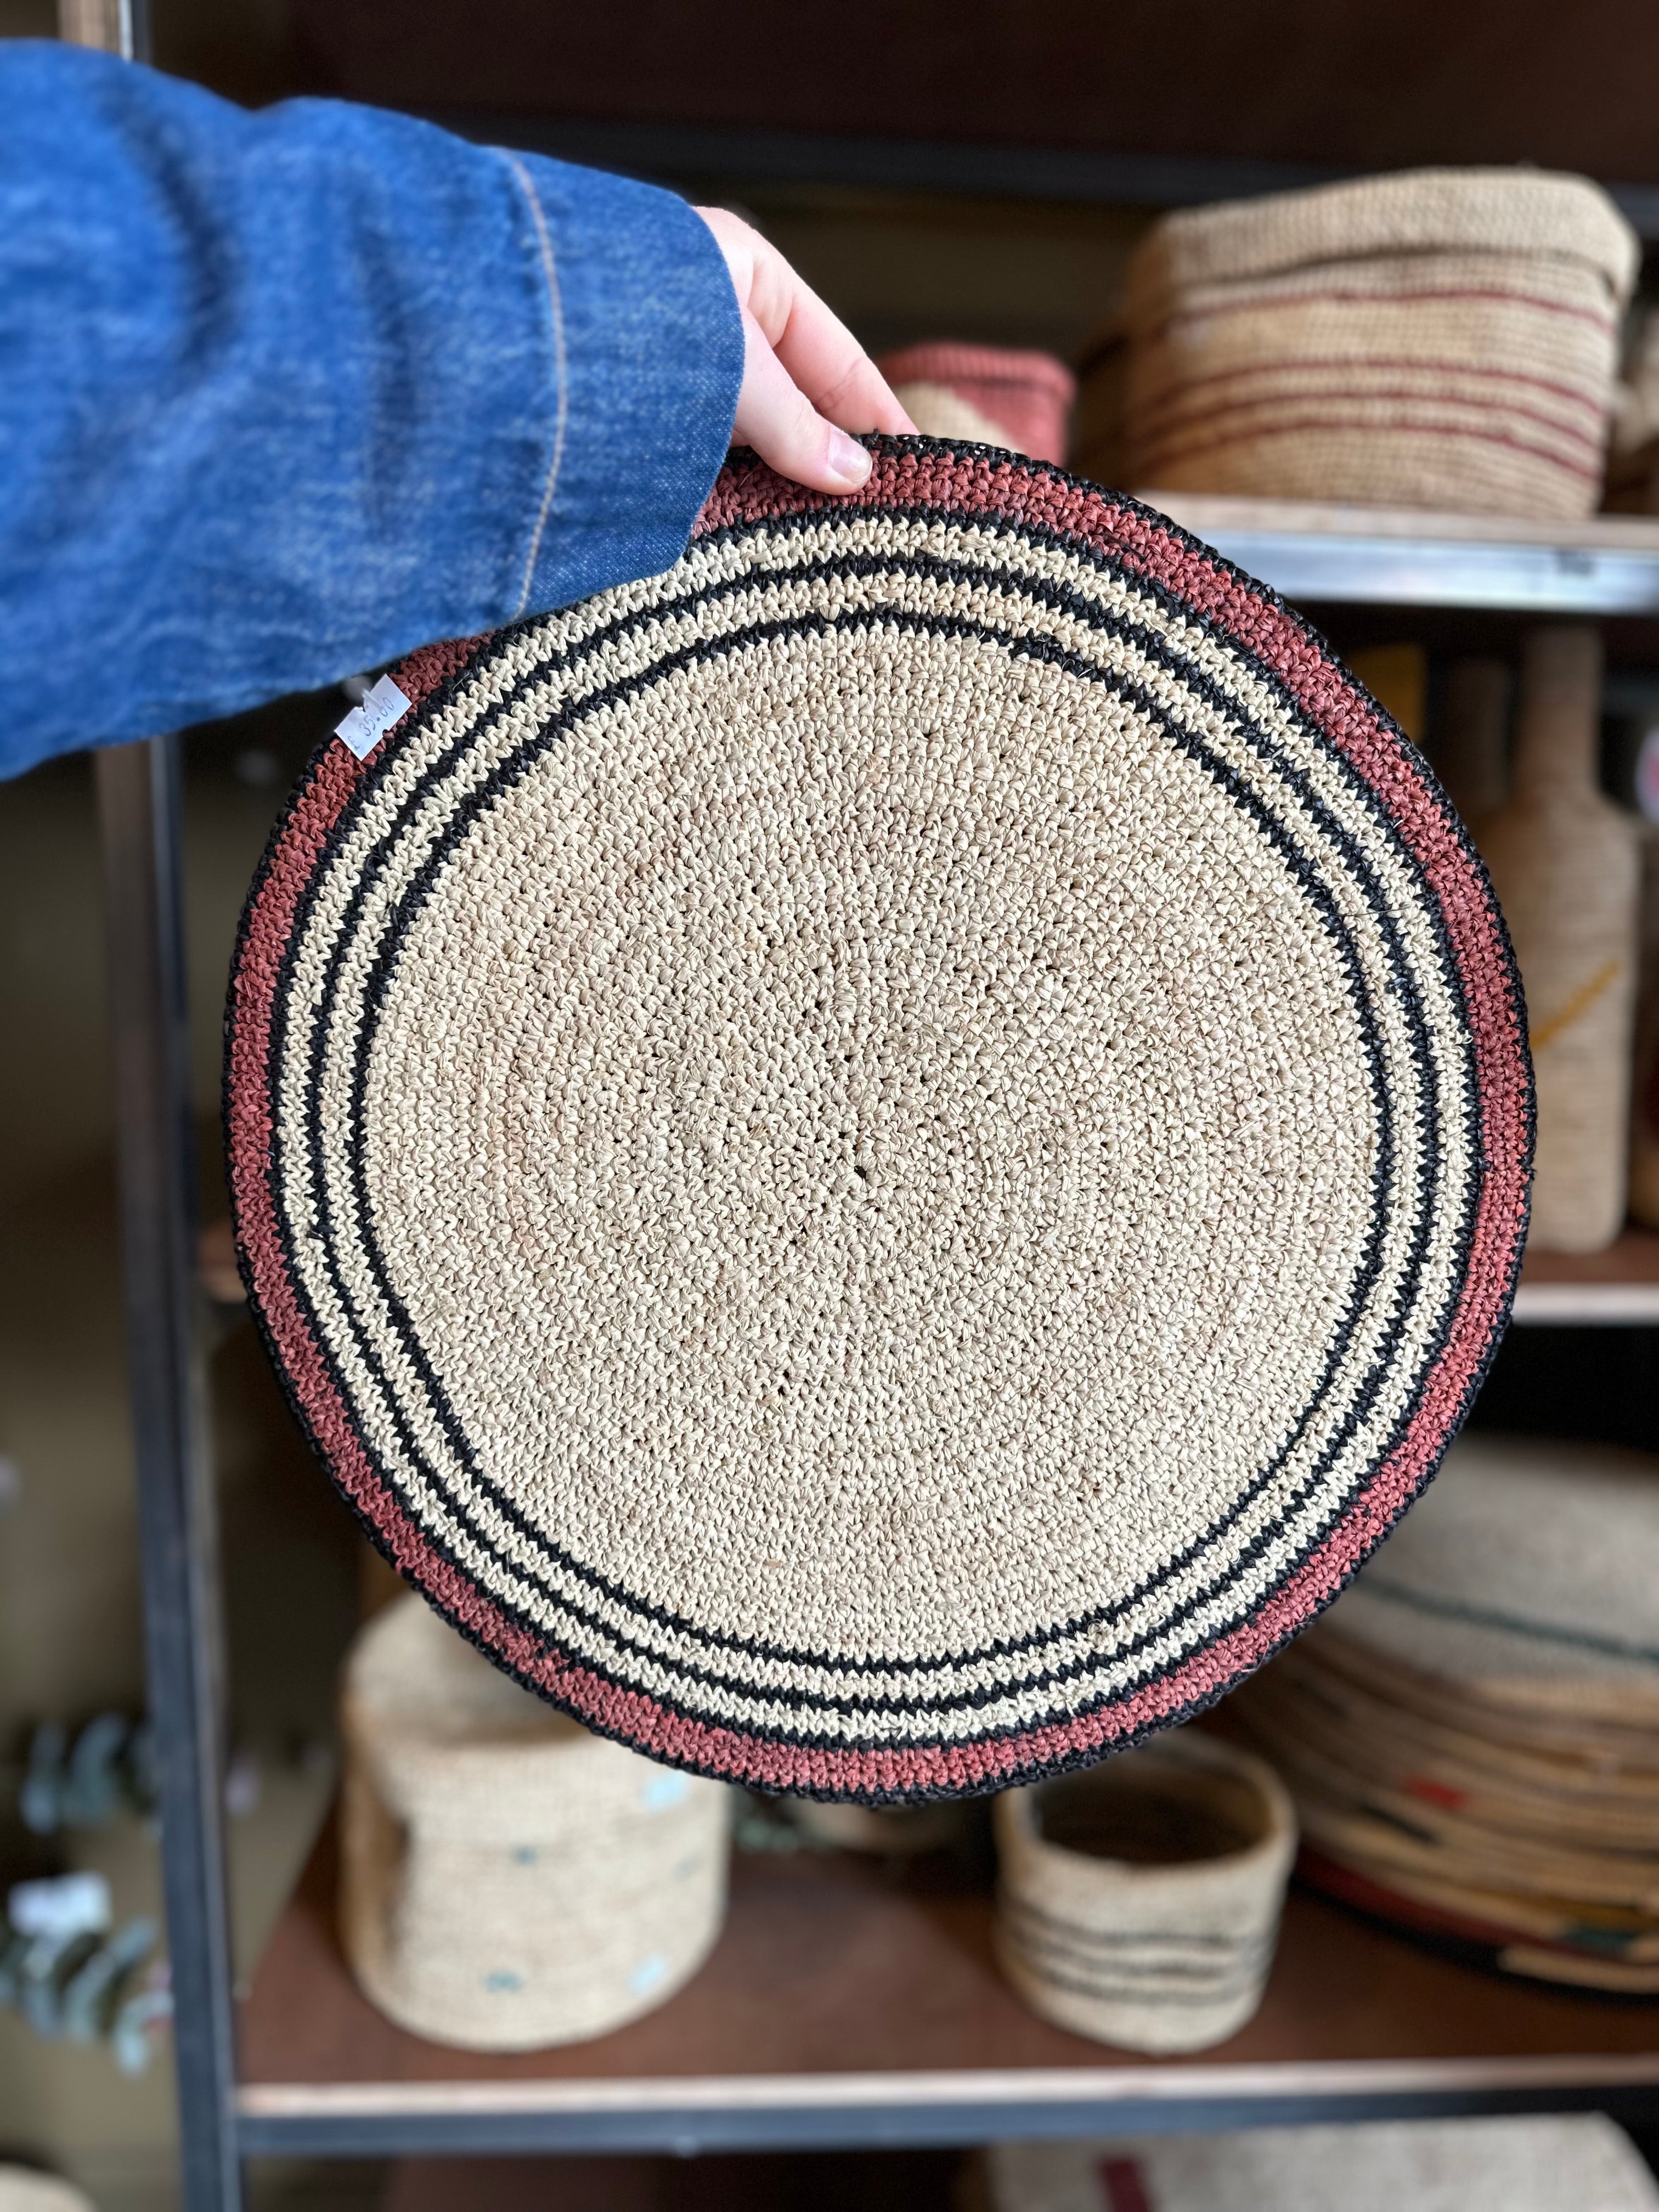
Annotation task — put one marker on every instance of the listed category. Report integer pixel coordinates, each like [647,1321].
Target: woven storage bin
[509,1879]
[1445,338]
[998,395]
[1137,1901]
[1470,1733]
[1582,2163]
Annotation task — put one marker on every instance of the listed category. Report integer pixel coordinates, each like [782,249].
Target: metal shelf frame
[924,2110]
[221,2122]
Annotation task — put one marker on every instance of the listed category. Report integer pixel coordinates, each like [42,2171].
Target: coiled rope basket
[880,1160]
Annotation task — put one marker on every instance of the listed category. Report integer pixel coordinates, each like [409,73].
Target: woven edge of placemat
[990,485]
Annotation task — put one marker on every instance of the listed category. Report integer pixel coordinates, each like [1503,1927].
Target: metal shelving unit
[835,2011]
[1396,557]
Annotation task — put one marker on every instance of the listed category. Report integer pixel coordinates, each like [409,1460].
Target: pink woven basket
[1024,399]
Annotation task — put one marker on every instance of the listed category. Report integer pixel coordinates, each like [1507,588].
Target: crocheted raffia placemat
[881,1160]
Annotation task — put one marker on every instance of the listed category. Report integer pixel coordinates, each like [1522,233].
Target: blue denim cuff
[284,395]
[648,347]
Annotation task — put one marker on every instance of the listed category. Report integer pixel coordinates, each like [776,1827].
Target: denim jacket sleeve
[284,395]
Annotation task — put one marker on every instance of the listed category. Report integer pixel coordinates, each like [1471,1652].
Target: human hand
[806,380]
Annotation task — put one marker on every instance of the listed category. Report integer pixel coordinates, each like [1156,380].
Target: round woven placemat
[881,1160]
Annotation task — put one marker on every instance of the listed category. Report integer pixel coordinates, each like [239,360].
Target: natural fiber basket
[510,1881]
[1470,1733]
[1444,338]
[1138,1902]
[880,1159]
[1000,395]
[1543,2163]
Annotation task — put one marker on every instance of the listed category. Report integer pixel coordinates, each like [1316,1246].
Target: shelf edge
[899,2091]
[1588,1305]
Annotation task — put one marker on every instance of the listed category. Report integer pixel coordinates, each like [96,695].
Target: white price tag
[365,726]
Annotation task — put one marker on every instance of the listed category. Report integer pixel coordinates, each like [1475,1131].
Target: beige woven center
[868,1144]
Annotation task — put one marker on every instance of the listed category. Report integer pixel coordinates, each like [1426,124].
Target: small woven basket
[1139,1900]
[996,395]
[1444,338]
[511,1880]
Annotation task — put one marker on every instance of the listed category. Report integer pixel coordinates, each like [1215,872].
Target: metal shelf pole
[139,826]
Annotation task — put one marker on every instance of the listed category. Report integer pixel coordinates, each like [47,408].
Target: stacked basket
[1470,1735]
[1443,339]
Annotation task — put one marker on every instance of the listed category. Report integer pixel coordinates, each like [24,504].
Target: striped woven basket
[1470,1735]
[1138,1903]
[994,395]
[1443,339]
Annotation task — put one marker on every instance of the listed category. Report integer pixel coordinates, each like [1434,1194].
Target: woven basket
[1566,865]
[509,1879]
[880,1160]
[1470,1733]
[1582,2163]
[998,395]
[1137,1901]
[1446,338]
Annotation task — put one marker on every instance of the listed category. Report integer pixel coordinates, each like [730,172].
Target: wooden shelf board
[1619,1285]
[1390,557]
[841,2005]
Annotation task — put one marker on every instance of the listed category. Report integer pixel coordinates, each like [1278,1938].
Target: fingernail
[847,459]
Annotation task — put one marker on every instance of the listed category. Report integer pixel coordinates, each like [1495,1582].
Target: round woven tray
[880,1160]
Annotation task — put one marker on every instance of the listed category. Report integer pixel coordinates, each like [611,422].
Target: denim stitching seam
[556,310]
